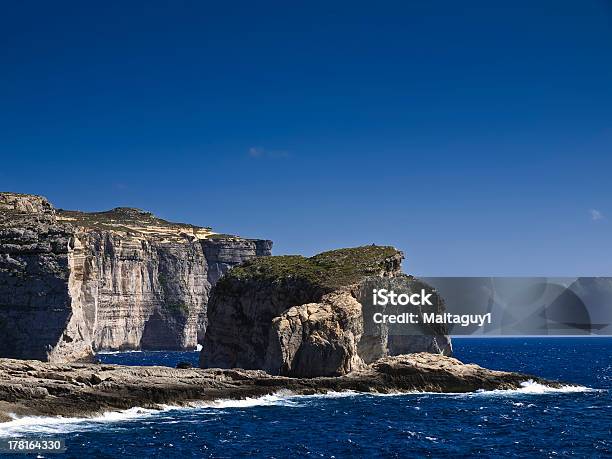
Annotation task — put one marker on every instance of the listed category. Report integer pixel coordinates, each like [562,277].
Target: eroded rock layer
[74,282]
[40,388]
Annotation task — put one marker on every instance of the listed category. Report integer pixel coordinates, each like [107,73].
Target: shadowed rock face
[73,282]
[39,388]
[380,340]
[302,317]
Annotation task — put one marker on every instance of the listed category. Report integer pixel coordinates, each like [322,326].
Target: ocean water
[531,421]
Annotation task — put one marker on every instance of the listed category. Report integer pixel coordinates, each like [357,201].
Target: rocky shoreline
[34,388]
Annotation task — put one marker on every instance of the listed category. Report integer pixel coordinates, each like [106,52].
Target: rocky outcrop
[304,317]
[33,388]
[317,338]
[74,282]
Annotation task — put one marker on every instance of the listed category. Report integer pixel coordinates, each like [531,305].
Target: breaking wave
[532,387]
[56,425]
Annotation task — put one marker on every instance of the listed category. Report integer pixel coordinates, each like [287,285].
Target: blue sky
[475,136]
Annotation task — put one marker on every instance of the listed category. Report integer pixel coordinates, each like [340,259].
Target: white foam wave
[532,387]
[57,425]
[282,398]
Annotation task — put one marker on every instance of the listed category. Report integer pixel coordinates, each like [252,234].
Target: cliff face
[73,282]
[37,317]
[304,317]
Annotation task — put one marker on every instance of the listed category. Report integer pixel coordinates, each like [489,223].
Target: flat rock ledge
[34,388]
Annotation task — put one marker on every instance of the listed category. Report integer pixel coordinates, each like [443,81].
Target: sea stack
[304,317]
[72,283]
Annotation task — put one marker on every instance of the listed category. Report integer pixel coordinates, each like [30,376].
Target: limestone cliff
[72,282]
[304,317]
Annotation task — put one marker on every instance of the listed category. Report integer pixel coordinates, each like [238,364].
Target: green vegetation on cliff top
[120,216]
[331,269]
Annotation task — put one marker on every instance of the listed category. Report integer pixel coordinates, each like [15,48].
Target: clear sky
[475,136]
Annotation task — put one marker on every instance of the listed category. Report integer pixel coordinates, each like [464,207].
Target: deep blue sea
[528,422]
